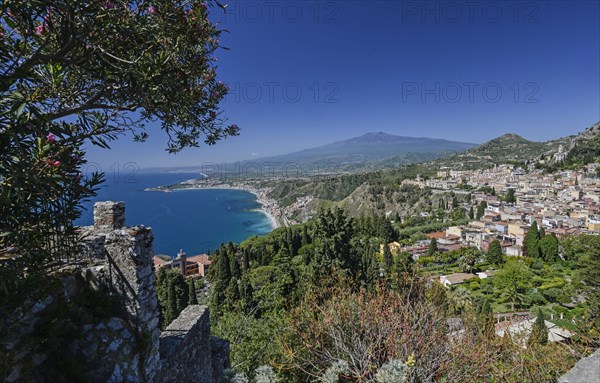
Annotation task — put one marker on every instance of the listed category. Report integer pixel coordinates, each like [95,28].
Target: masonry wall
[130,347]
[189,353]
[185,351]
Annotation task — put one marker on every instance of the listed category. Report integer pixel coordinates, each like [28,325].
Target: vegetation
[323,301]
[72,72]
[174,295]
[539,331]
[494,255]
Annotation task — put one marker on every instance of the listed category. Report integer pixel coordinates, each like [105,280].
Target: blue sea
[196,221]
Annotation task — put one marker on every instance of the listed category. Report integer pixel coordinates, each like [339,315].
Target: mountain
[512,148]
[370,151]
[508,148]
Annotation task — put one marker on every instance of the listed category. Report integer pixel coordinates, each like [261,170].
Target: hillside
[584,148]
[508,148]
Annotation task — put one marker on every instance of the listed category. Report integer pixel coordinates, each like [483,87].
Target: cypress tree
[486,318]
[181,293]
[433,248]
[305,238]
[171,307]
[541,233]
[539,331]
[192,298]
[494,255]
[388,259]
[246,260]
[471,213]
[510,196]
[248,295]
[223,268]
[162,285]
[531,242]
[481,209]
[236,271]
[549,248]
[232,293]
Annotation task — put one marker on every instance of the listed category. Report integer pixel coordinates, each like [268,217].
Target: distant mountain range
[379,150]
[370,151]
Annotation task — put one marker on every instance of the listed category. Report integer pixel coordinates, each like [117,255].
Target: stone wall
[189,353]
[127,268]
[129,258]
[49,340]
[124,348]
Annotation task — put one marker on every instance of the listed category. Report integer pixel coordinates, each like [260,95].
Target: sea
[196,221]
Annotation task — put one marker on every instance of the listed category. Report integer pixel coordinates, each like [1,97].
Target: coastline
[268,206]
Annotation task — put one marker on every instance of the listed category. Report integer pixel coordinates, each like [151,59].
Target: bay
[196,221]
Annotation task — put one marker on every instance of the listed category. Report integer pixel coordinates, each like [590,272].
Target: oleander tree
[74,72]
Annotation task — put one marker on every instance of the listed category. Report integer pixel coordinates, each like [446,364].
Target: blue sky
[306,73]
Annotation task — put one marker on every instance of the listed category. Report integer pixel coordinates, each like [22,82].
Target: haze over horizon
[305,74]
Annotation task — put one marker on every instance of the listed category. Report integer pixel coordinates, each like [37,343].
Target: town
[565,203]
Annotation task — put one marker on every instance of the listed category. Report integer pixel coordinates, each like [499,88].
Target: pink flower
[151,10]
[56,163]
[39,30]
[51,137]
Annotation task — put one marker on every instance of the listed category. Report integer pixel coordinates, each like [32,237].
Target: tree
[539,331]
[433,247]
[246,260]
[486,318]
[388,259]
[334,255]
[171,304]
[549,248]
[541,232]
[192,298]
[468,259]
[471,213]
[510,196]
[84,72]
[530,242]
[173,295]
[481,209]
[494,255]
[513,280]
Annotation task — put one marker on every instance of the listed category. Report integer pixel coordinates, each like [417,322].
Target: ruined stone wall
[126,267]
[48,339]
[189,353]
[128,347]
